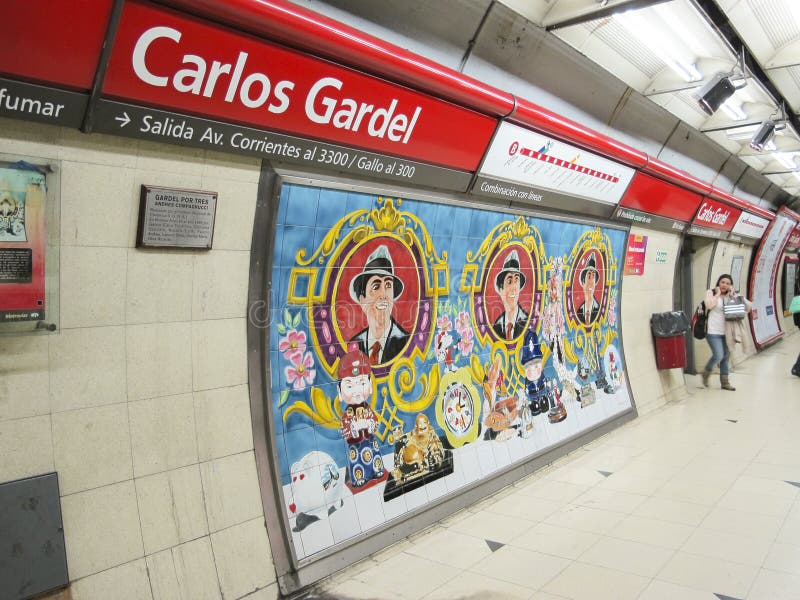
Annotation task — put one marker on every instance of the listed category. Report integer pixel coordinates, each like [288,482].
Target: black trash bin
[669,332]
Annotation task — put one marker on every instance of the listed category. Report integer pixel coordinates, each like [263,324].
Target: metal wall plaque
[173,218]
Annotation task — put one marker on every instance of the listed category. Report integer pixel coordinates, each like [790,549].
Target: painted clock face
[458,405]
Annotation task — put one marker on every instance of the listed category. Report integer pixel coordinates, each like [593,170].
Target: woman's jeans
[720,354]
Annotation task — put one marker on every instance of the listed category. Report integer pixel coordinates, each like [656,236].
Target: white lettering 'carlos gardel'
[325,104]
[708,214]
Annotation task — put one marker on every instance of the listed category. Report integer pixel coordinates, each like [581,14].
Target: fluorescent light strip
[655,38]
[733,110]
[786,159]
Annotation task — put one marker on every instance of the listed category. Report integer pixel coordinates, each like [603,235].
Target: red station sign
[716,215]
[657,197]
[168,60]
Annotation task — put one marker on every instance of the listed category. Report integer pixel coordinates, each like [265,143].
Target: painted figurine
[535,383]
[444,351]
[585,390]
[359,422]
[316,489]
[500,409]
[558,411]
[613,372]
[417,452]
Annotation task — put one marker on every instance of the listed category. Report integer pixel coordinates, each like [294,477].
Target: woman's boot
[706,375]
[726,383]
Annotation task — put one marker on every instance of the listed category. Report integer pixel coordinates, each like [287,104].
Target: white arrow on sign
[124,119]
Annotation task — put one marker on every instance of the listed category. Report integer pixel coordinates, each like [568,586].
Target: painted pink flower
[465,344]
[611,319]
[444,323]
[462,323]
[295,341]
[301,373]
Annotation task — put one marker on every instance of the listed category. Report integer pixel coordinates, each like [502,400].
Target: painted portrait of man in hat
[375,289]
[509,283]
[588,279]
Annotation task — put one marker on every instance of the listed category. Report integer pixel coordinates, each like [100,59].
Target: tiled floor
[697,501]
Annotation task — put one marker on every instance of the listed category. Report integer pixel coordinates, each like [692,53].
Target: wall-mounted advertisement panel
[764,316]
[171,61]
[23,242]
[418,349]
[543,163]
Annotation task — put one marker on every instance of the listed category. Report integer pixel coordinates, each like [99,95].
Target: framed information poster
[23,242]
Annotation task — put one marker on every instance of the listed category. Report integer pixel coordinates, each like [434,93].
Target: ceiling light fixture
[716,91]
[762,136]
[741,132]
[766,131]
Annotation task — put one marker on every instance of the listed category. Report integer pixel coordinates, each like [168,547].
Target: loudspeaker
[762,137]
[711,96]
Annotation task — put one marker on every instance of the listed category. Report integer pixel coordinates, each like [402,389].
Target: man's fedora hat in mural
[590,266]
[380,264]
[510,265]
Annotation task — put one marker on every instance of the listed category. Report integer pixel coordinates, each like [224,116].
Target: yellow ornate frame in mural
[314,272]
[512,232]
[344,239]
[592,340]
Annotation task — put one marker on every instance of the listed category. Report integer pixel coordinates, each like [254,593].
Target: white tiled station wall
[140,400]
[643,295]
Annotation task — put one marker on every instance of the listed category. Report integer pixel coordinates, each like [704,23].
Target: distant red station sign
[716,215]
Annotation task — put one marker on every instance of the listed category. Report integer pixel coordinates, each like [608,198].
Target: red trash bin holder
[671,352]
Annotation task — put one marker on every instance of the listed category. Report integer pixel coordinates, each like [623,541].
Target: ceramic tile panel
[219,353]
[101,529]
[129,581]
[87,368]
[219,477]
[220,286]
[159,359]
[171,508]
[92,289]
[159,287]
[243,558]
[222,419]
[26,446]
[498,338]
[95,204]
[92,447]
[236,205]
[26,379]
[163,434]
[185,571]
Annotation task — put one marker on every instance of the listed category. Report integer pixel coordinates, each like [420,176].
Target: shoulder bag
[794,307]
[699,321]
[734,308]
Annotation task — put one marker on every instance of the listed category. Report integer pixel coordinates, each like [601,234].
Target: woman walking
[726,310]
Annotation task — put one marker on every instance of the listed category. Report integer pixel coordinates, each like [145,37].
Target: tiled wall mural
[417,348]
